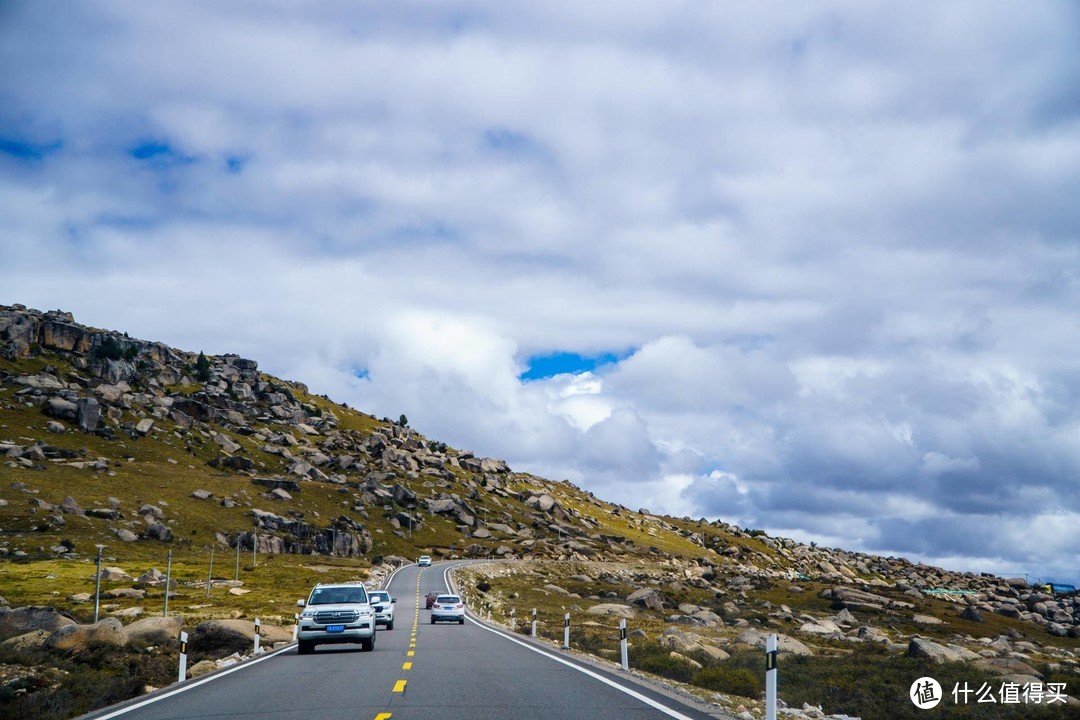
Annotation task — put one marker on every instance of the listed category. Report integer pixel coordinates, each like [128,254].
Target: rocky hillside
[144,448]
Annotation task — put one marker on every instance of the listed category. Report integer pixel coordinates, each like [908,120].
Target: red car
[429,600]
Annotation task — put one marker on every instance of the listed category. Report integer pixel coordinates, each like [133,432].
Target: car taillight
[436,606]
[460,605]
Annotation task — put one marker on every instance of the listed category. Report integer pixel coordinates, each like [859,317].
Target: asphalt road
[442,672]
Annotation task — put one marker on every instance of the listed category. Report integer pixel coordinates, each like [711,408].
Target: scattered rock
[115,574]
[612,610]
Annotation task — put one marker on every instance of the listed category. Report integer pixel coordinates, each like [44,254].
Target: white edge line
[189,686]
[596,676]
[215,676]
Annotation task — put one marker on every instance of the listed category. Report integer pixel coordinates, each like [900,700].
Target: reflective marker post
[513,620]
[258,629]
[566,632]
[534,624]
[183,658]
[296,626]
[622,645]
[770,677]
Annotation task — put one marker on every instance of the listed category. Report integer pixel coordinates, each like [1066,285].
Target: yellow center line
[407,666]
[384,716]
[411,653]
[399,686]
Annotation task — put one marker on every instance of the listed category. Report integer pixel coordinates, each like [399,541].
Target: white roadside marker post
[566,632]
[296,626]
[534,624]
[770,677]
[513,620]
[182,676]
[622,645]
[258,629]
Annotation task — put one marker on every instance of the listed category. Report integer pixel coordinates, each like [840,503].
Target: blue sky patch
[235,164]
[545,366]
[23,150]
[159,152]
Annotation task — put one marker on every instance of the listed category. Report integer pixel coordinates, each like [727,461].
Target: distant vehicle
[429,600]
[448,607]
[337,613]
[383,605]
[424,561]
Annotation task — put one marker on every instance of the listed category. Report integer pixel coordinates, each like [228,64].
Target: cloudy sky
[809,267]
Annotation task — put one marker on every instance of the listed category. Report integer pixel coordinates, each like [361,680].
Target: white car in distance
[448,607]
[424,561]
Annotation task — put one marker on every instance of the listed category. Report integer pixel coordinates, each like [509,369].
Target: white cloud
[834,243]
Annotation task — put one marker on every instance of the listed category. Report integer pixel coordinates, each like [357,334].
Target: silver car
[448,607]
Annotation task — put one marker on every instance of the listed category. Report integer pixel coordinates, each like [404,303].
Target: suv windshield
[335,595]
[380,597]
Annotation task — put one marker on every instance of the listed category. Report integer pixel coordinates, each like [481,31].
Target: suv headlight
[365,613]
[307,614]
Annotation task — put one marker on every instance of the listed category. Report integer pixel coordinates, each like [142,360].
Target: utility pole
[210,575]
[97,585]
[168,585]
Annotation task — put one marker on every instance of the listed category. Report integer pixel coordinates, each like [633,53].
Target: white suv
[338,613]
[448,607]
[424,561]
[384,608]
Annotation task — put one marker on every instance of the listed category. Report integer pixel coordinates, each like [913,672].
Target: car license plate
[335,628]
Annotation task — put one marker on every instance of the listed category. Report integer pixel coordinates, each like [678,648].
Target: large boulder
[76,638]
[677,640]
[203,667]
[88,414]
[157,531]
[1006,666]
[115,574]
[58,407]
[27,641]
[221,637]
[155,630]
[612,610]
[441,505]
[784,643]
[920,647]
[25,619]
[646,597]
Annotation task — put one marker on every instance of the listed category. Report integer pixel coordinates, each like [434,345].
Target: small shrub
[202,368]
[730,680]
[111,349]
[657,660]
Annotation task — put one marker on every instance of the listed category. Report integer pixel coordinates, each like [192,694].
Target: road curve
[418,671]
